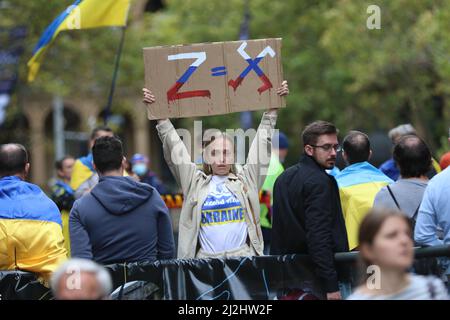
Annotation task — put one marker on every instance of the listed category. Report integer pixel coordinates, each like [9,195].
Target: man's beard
[324,165]
[328,166]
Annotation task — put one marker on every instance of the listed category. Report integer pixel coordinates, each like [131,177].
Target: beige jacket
[195,184]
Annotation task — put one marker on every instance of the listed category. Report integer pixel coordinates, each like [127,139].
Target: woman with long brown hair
[386,252]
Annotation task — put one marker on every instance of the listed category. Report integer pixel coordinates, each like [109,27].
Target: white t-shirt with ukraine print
[222,225]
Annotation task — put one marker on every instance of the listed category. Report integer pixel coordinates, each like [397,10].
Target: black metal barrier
[247,278]
[20,285]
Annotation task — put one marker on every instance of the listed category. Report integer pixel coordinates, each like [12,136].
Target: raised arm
[258,159]
[175,153]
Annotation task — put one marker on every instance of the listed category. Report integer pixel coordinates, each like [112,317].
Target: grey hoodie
[121,220]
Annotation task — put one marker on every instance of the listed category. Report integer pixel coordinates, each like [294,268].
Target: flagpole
[113,83]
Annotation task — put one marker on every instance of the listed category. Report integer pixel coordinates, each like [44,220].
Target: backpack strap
[416,212]
[393,197]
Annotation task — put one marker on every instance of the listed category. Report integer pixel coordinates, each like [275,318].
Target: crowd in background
[107,209]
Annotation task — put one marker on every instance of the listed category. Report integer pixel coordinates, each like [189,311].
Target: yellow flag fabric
[82,14]
[436,165]
[65,230]
[81,172]
[356,201]
[31,245]
[358,184]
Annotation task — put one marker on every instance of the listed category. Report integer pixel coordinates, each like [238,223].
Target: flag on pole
[82,14]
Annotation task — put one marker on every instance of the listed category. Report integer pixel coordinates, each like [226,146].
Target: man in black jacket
[307,214]
[120,220]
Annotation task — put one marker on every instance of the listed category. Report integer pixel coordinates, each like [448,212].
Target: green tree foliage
[338,69]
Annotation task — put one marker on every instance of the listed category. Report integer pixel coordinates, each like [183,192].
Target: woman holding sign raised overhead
[220,213]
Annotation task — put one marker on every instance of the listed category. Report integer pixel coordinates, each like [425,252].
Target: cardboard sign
[213,78]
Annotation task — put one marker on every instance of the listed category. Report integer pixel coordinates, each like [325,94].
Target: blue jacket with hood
[121,220]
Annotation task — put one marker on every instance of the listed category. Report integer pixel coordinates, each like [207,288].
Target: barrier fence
[283,277]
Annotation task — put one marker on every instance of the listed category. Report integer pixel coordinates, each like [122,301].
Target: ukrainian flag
[31,237]
[82,14]
[358,185]
[436,165]
[82,170]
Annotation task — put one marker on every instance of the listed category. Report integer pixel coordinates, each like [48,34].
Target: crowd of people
[105,209]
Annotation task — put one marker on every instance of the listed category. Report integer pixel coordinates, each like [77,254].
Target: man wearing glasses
[307,214]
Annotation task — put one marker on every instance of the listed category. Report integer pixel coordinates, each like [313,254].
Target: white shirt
[420,288]
[222,226]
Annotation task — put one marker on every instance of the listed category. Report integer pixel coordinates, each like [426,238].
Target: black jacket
[307,218]
[121,220]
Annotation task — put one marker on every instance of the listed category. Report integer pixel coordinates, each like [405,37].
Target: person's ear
[309,150]
[370,154]
[344,156]
[124,163]
[27,168]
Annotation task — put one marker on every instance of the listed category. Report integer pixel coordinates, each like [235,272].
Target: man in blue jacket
[31,237]
[120,220]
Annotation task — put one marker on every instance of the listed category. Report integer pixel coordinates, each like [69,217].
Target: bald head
[356,147]
[13,160]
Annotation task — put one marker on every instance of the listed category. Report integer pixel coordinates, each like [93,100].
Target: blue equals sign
[218,71]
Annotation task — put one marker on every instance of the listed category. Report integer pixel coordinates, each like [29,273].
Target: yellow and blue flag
[82,171]
[82,14]
[358,184]
[31,237]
